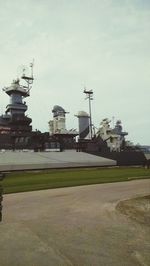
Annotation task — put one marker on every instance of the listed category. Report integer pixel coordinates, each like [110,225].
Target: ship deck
[29,160]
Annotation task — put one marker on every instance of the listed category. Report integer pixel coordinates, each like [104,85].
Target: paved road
[73,226]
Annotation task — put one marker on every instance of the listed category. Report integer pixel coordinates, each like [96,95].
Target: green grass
[29,181]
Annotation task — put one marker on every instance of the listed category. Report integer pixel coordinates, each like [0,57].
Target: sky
[103,45]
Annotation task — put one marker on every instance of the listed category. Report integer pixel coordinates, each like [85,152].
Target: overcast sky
[102,45]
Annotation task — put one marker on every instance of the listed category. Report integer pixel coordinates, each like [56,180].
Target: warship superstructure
[15,118]
[15,126]
[16,129]
[58,130]
[114,137]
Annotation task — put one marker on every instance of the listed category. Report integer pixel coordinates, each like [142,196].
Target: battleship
[16,129]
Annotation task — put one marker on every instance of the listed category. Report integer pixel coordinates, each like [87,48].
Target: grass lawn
[29,181]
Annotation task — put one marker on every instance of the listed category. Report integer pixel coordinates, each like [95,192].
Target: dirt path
[74,226]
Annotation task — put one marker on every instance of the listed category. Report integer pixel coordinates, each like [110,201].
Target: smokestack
[84,124]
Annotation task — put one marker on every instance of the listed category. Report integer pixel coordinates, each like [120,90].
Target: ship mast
[89,96]
[28,79]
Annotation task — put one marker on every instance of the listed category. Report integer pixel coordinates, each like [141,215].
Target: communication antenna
[89,96]
[28,78]
[21,70]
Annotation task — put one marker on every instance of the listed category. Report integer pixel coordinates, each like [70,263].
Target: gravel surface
[75,226]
